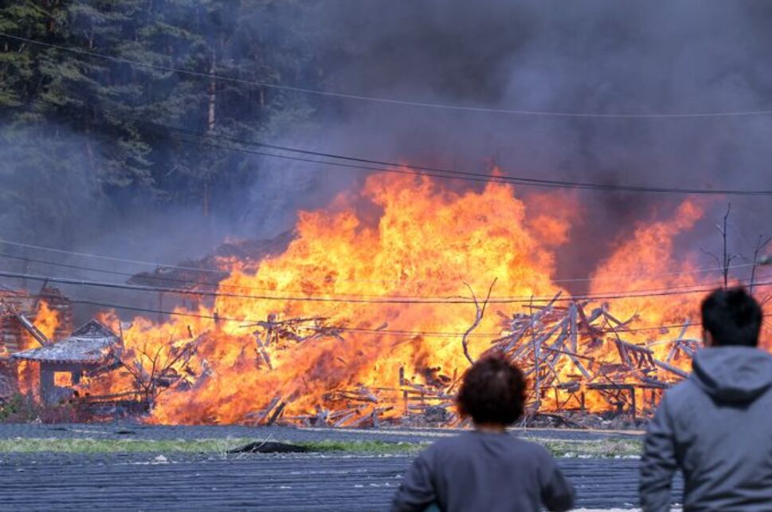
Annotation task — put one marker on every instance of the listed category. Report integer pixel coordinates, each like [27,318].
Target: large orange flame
[46,320]
[355,266]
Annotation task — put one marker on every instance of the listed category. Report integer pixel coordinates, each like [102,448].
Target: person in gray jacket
[487,469]
[716,426]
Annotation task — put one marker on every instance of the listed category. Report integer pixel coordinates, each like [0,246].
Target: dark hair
[493,391]
[732,317]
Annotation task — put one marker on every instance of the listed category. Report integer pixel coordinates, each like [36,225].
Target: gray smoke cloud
[52,196]
[600,57]
[595,56]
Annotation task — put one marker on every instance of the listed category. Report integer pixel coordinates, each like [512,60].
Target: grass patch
[598,448]
[87,445]
[375,447]
[214,446]
[559,448]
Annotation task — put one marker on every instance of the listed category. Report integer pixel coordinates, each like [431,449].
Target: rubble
[549,343]
[573,353]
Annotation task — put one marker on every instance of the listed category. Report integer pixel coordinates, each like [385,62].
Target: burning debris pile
[551,344]
[366,315]
[569,354]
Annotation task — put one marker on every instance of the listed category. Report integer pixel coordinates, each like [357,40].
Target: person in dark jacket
[716,426]
[486,469]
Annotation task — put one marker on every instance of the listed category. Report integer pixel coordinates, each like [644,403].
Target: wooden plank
[671,369]
[573,325]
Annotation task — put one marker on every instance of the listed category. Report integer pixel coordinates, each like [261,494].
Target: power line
[339,295]
[389,101]
[382,300]
[110,258]
[487,178]
[154,289]
[239,287]
[438,172]
[99,270]
[420,170]
[607,295]
[222,273]
[249,322]
[152,277]
[392,332]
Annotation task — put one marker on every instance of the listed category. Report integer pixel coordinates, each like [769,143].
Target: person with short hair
[716,425]
[486,469]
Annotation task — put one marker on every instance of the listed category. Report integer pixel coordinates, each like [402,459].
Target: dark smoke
[594,56]
[602,57]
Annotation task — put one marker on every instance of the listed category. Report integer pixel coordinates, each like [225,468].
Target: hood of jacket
[733,374]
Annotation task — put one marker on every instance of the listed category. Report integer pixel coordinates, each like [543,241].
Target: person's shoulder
[470,445]
[468,440]
[681,392]
[531,449]
[450,443]
[464,442]
[533,455]
[445,449]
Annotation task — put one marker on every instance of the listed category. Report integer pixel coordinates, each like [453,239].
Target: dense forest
[120,94]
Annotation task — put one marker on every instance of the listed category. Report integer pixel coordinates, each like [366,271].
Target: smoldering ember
[230,228]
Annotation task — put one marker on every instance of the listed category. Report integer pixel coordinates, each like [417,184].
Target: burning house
[89,349]
[28,321]
[25,315]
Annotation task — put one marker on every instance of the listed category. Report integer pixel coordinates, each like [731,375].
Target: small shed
[89,348]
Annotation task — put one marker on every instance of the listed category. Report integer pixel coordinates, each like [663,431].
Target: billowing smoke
[590,57]
[599,57]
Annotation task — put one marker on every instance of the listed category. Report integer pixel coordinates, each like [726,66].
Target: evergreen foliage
[89,115]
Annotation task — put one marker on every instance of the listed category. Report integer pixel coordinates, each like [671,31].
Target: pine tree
[103,115]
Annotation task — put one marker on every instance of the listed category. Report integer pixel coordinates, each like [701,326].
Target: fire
[647,264]
[46,321]
[358,268]
[426,242]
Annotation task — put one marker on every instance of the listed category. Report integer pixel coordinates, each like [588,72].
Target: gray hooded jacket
[716,427]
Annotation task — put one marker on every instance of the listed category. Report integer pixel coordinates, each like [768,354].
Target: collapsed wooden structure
[18,312]
[572,352]
[568,351]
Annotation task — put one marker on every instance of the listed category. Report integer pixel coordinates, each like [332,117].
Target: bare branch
[761,244]
[727,260]
[706,253]
[478,318]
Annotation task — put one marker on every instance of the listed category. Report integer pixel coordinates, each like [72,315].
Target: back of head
[732,317]
[493,392]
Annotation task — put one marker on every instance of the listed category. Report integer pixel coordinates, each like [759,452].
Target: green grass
[620,447]
[375,447]
[559,448]
[88,445]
